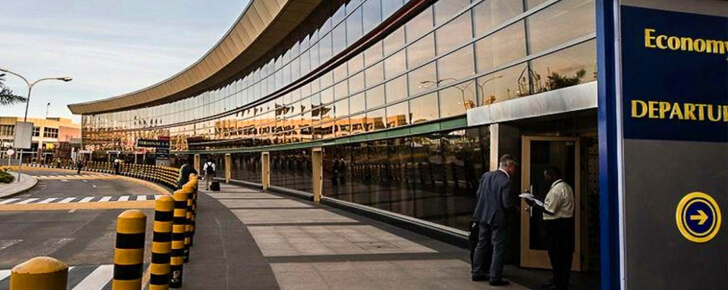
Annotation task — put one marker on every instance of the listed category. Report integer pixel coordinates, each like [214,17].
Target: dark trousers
[560,237]
[489,254]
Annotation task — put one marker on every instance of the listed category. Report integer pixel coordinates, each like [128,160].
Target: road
[71,218]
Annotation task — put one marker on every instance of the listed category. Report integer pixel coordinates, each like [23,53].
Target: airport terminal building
[403,105]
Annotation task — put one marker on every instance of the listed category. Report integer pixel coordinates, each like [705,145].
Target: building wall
[50,132]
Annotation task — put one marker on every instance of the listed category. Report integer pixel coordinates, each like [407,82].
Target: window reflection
[454,34]
[422,109]
[457,99]
[565,68]
[560,23]
[502,47]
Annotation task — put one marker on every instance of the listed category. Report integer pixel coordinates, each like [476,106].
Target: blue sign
[698,217]
[675,75]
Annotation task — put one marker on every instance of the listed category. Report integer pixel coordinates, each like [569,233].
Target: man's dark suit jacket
[493,198]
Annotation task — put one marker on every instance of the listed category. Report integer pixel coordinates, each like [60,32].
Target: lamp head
[66,79]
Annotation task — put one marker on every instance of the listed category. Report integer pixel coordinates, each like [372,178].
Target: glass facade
[451,56]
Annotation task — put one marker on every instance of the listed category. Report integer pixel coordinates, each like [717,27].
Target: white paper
[532,198]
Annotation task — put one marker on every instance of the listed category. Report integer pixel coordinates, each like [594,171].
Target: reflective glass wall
[452,56]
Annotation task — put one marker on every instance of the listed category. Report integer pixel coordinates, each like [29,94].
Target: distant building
[52,137]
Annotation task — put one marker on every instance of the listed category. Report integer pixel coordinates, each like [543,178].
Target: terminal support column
[265,169]
[197,163]
[228,168]
[317,155]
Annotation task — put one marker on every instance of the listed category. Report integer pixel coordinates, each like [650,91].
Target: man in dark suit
[493,199]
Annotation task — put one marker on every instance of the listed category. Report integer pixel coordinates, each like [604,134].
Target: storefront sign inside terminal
[674,169]
[152,143]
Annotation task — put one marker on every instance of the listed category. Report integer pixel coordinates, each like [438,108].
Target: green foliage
[557,81]
[7,97]
[6,177]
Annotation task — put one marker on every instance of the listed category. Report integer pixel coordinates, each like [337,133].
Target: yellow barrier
[161,243]
[39,273]
[129,253]
[176,262]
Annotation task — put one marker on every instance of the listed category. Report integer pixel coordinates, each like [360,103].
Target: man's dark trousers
[560,235]
[490,252]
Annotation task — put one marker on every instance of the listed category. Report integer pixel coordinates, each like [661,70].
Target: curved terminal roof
[262,25]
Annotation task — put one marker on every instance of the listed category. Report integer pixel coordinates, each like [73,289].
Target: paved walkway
[9,189]
[249,239]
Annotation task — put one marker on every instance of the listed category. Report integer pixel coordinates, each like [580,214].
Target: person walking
[493,199]
[117,166]
[209,170]
[79,166]
[184,172]
[558,215]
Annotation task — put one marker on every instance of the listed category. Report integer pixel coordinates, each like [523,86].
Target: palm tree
[7,97]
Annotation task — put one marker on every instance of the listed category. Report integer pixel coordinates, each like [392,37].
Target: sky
[108,47]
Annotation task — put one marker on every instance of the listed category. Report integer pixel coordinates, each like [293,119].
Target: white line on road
[7,243]
[141,197]
[97,279]
[105,199]
[67,200]
[124,198]
[29,200]
[72,211]
[9,200]
[48,200]
[157,196]
[86,199]
[4,274]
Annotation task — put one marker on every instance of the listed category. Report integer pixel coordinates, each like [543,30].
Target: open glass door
[538,153]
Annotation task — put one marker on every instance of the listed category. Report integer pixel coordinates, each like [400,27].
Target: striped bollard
[188,224]
[161,243]
[39,273]
[192,207]
[131,228]
[176,261]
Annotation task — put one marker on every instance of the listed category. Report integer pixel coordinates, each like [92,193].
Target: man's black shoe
[499,283]
[478,278]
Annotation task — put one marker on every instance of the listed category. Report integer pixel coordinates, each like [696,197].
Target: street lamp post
[27,102]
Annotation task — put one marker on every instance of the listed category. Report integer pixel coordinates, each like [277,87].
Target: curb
[35,181]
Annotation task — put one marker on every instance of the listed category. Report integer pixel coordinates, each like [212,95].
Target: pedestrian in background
[493,199]
[209,170]
[79,166]
[184,172]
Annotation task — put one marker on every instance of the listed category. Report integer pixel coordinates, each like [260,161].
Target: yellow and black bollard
[131,227]
[161,243]
[39,273]
[191,208]
[176,262]
[188,224]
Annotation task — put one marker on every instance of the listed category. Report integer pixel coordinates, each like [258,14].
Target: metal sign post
[22,140]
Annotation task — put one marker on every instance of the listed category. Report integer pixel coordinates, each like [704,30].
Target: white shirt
[506,172]
[559,201]
[204,169]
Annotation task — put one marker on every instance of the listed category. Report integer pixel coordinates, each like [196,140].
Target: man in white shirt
[558,214]
[209,171]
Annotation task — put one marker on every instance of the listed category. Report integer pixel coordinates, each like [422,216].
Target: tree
[7,97]
[557,81]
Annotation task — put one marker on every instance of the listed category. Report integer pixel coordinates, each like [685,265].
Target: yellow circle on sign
[681,217]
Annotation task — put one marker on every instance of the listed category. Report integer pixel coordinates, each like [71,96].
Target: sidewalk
[9,189]
[250,239]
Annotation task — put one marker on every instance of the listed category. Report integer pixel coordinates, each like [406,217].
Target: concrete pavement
[9,189]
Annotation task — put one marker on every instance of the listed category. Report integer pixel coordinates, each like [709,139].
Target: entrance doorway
[538,153]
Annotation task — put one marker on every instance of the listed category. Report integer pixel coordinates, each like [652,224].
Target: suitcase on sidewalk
[215,186]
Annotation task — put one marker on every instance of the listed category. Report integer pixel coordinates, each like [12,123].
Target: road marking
[157,196]
[86,199]
[105,199]
[48,200]
[93,185]
[9,200]
[4,274]
[49,246]
[123,198]
[97,279]
[72,211]
[67,200]
[7,243]
[28,201]
[141,197]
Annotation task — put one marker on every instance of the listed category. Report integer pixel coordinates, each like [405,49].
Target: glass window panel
[354,27]
[397,115]
[340,73]
[456,99]
[421,51]
[373,53]
[395,65]
[422,110]
[422,79]
[454,34]
[456,65]
[339,40]
[390,6]
[372,14]
[504,46]
[341,108]
[375,97]
[327,79]
[565,68]
[374,74]
[394,41]
[504,85]
[375,120]
[419,25]
[357,103]
[491,13]
[325,48]
[341,90]
[444,10]
[560,23]
[358,124]
[327,95]
[356,83]
[356,63]
[396,89]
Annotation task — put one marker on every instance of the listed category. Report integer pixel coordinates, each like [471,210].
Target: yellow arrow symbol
[701,217]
